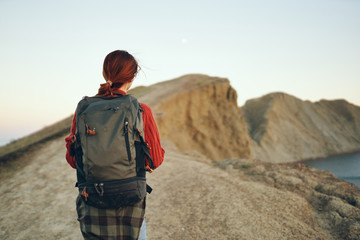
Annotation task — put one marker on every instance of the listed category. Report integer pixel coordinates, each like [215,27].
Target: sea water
[345,166]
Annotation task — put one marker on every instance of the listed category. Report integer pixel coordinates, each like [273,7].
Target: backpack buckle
[99,188]
[89,131]
[84,193]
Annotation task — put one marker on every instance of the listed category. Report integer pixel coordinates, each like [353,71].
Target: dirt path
[38,202]
[191,200]
[194,200]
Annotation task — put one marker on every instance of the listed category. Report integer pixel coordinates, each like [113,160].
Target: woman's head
[119,68]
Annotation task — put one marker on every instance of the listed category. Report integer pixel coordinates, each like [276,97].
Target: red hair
[119,67]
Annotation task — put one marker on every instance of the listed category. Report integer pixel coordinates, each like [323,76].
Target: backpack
[110,151]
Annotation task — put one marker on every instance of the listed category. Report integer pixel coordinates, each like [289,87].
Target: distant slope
[284,128]
[18,147]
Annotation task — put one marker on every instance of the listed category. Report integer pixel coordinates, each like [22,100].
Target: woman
[119,71]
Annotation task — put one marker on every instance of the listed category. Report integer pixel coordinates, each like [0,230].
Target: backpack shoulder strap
[139,127]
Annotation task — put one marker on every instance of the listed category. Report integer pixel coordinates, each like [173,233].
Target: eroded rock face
[204,117]
[200,113]
[284,128]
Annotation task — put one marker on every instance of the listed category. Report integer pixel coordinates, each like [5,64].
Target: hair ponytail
[119,67]
[104,90]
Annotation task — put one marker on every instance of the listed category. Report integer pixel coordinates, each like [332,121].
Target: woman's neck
[124,89]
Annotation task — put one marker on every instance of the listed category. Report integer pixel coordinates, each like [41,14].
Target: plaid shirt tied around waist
[123,223]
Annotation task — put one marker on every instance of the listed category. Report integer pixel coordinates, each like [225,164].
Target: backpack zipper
[126,134]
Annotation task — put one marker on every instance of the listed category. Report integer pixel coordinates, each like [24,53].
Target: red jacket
[151,137]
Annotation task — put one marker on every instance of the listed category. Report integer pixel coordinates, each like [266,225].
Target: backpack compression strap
[146,150]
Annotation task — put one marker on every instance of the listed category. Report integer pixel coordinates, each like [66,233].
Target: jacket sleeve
[152,136]
[69,139]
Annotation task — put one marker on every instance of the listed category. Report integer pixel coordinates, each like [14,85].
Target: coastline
[344,166]
[328,156]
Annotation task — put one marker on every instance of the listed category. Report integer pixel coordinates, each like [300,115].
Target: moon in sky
[184,41]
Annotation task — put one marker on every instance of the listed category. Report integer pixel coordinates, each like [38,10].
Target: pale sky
[51,52]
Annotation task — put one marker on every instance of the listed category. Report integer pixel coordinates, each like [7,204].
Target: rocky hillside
[203,116]
[21,146]
[200,113]
[195,197]
[331,204]
[284,128]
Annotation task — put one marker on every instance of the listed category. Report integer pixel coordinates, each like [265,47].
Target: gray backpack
[110,151]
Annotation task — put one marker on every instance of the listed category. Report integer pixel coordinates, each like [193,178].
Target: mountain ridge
[192,111]
[285,128]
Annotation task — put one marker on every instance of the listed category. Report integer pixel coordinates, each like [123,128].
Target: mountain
[200,113]
[284,128]
[212,184]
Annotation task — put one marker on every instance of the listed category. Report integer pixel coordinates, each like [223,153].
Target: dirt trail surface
[38,201]
[192,199]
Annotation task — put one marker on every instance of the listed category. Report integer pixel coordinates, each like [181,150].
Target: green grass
[245,165]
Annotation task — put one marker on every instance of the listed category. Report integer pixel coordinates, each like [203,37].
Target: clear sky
[51,52]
